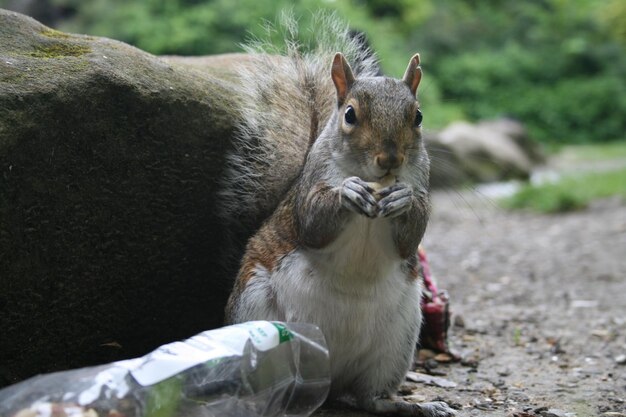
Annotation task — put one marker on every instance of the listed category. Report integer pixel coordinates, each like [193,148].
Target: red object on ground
[435,311]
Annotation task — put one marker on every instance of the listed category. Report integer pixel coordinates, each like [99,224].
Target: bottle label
[284,335]
[173,358]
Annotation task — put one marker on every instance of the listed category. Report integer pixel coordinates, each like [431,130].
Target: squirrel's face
[378,122]
[380,127]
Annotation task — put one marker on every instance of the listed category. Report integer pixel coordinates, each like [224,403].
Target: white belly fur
[358,293]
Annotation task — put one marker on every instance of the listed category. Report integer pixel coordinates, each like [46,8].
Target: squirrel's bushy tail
[286,95]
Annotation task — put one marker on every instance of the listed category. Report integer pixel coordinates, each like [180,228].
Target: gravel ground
[539,309]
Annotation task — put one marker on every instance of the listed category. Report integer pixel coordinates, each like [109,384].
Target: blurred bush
[570,193]
[553,64]
[559,66]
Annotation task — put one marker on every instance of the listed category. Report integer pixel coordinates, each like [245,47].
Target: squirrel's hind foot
[390,406]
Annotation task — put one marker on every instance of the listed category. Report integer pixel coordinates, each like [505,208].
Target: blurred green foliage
[559,66]
[588,172]
[570,193]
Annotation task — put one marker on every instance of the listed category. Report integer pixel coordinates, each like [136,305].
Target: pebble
[430,364]
[555,412]
[620,360]
[601,333]
[470,361]
[430,380]
[437,372]
[556,348]
[612,414]
[458,321]
[425,354]
[443,358]
[584,304]
[468,338]
[518,396]
[415,398]
[407,388]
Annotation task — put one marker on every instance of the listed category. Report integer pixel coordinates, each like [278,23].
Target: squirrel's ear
[413,73]
[342,76]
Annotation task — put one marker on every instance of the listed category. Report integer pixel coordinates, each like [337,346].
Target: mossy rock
[109,164]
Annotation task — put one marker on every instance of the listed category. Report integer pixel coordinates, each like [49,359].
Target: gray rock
[109,163]
[518,133]
[488,151]
[485,154]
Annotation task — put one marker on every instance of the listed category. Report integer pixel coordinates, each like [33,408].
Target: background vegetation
[559,66]
[584,173]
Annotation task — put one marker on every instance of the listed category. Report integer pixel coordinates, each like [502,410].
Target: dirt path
[540,309]
[543,299]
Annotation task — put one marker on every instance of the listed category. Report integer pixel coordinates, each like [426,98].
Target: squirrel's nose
[389,160]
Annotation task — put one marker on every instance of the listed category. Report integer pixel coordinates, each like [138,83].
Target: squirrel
[340,249]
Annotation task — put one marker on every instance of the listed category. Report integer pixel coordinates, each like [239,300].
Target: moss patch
[59,50]
[55,34]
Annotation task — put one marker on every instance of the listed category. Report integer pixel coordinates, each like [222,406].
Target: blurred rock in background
[491,150]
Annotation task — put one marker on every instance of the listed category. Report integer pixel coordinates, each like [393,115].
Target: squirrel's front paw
[357,196]
[395,200]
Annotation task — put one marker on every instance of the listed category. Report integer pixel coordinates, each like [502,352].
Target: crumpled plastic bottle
[252,369]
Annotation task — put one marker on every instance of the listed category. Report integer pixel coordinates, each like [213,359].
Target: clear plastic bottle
[252,369]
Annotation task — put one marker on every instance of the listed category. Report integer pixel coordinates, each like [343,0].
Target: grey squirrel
[340,249]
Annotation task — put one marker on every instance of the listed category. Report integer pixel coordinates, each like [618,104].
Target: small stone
[430,364]
[443,358]
[612,414]
[437,372]
[555,347]
[620,360]
[406,389]
[415,398]
[470,361]
[601,333]
[584,303]
[430,380]
[458,321]
[468,338]
[590,360]
[425,354]
[555,412]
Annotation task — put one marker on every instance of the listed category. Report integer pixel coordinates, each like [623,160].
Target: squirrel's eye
[350,115]
[418,119]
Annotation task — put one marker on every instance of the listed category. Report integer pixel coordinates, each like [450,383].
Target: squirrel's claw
[357,196]
[436,409]
[396,200]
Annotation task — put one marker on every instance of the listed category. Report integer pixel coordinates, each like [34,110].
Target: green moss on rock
[56,34]
[59,50]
